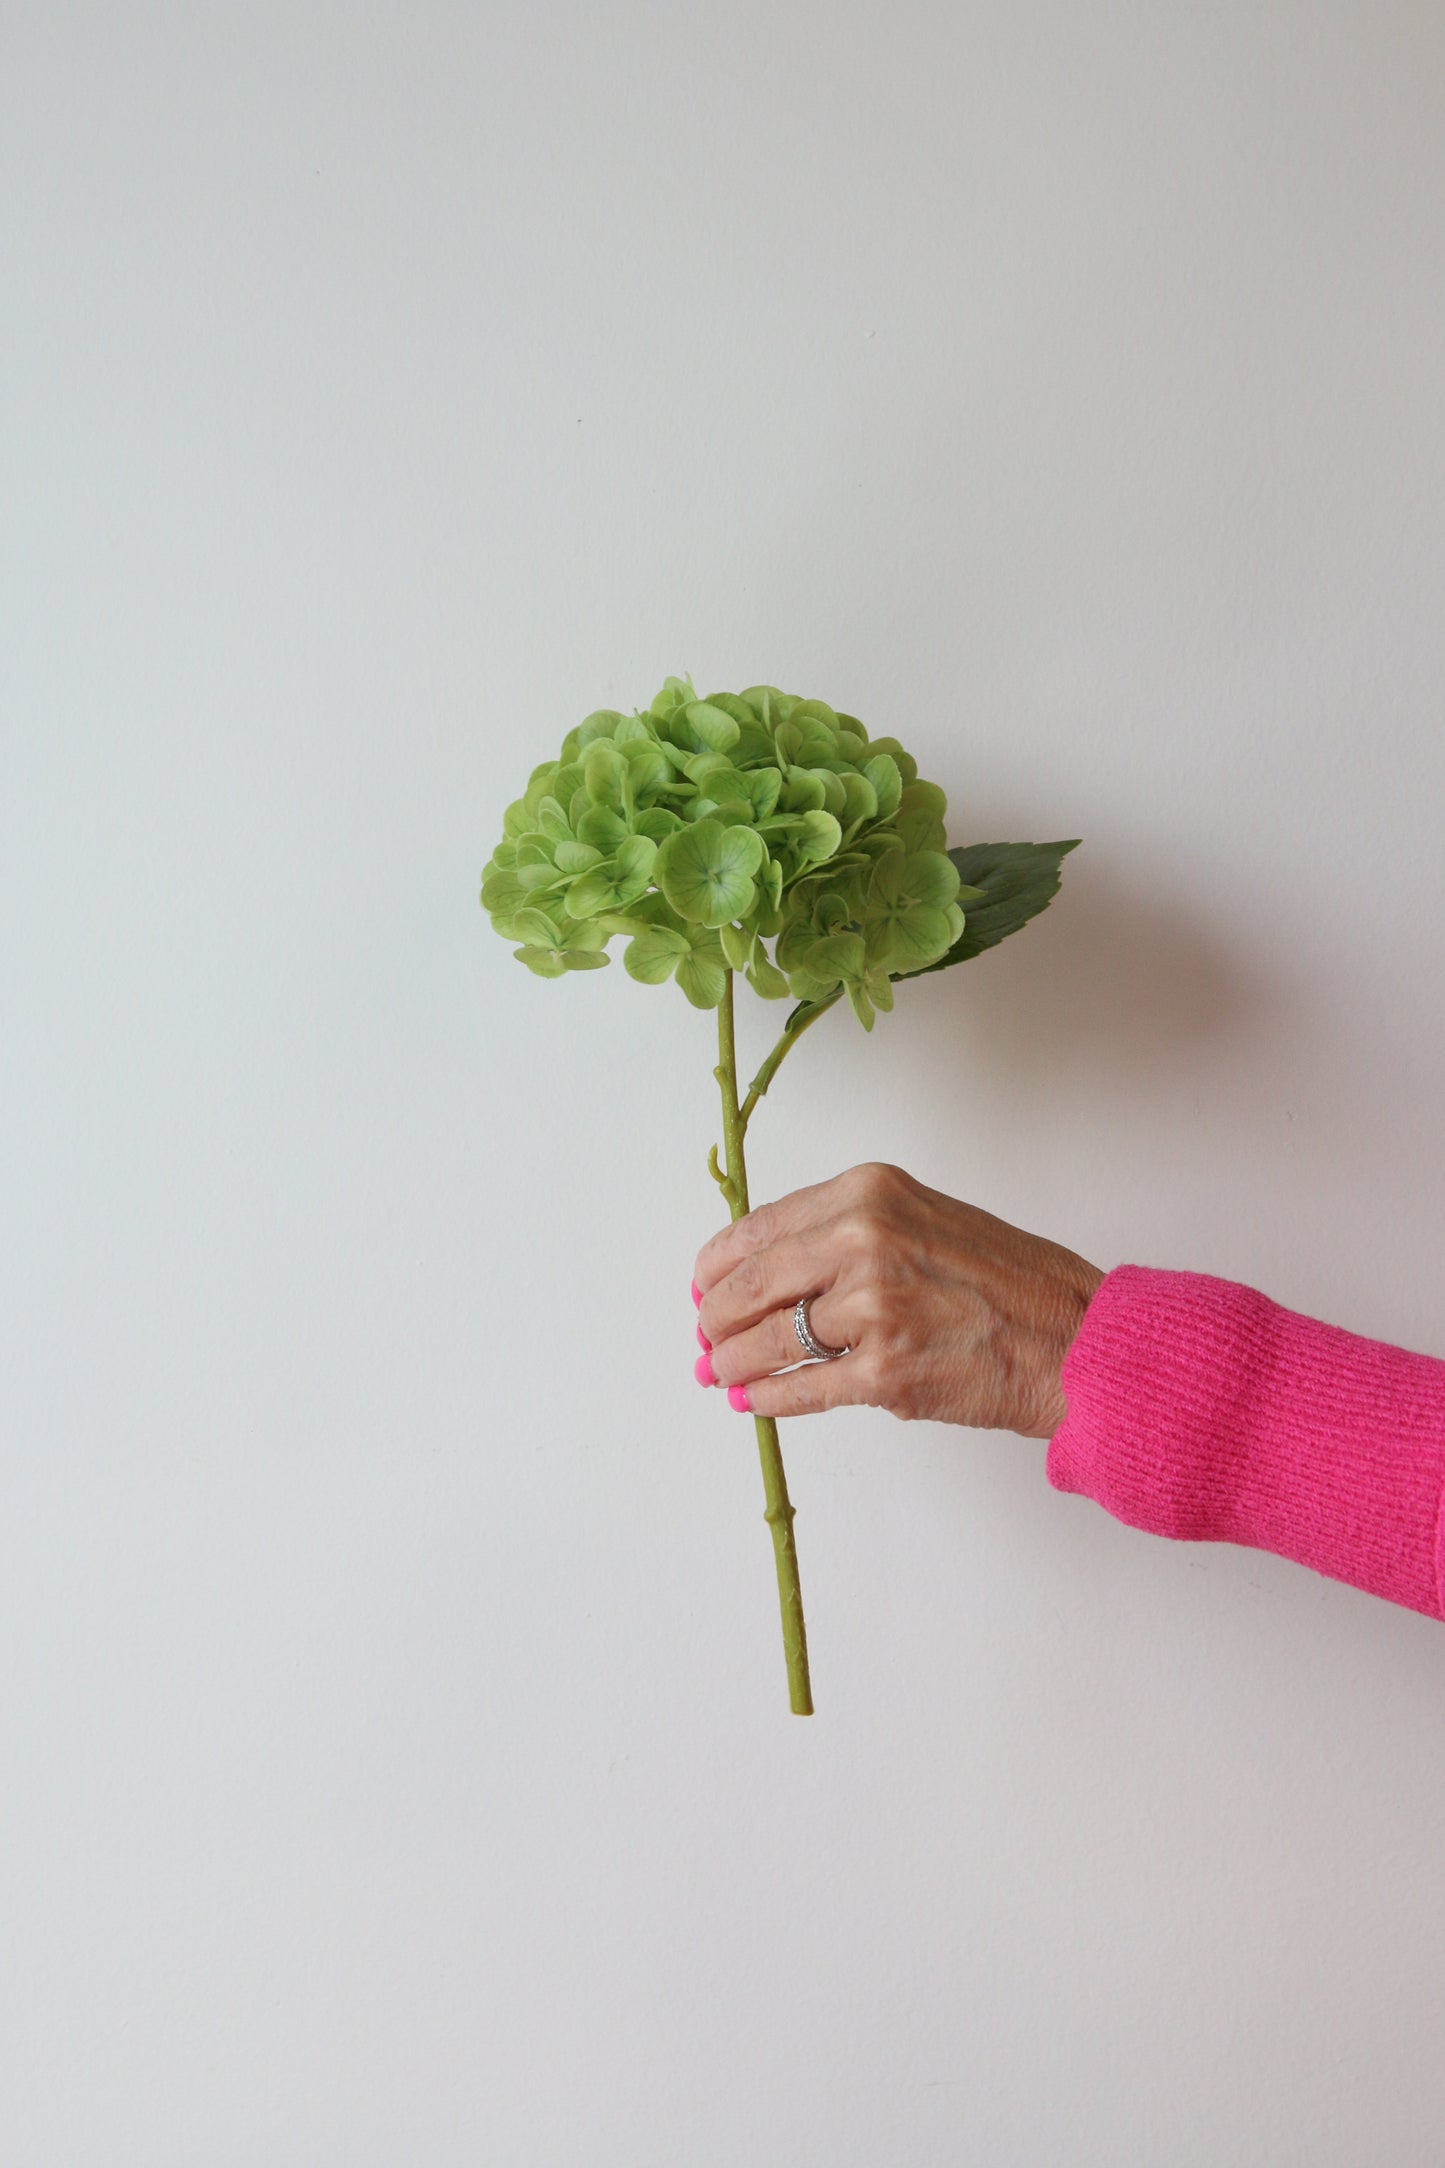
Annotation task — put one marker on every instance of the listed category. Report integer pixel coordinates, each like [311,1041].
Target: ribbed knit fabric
[1199,1408]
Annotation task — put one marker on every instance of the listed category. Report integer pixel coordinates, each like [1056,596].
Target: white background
[395,1761]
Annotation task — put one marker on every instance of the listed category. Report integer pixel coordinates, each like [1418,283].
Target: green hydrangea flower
[705,830]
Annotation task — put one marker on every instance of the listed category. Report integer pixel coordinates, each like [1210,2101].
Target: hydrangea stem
[778,1513]
[791,1035]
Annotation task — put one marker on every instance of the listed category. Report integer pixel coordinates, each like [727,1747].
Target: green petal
[536,929]
[604,770]
[919,820]
[544,961]
[736,945]
[906,764]
[920,936]
[764,976]
[860,800]
[820,838]
[675,694]
[705,871]
[553,821]
[804,791]
[658,823]
[862,1007]
[594,892]
[882,772]
[653,956]
[602,829]
[599,724]
[702,978]
[576,857]
[714,727]
[637,855]
[502,892]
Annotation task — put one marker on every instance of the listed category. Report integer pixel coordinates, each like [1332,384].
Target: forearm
[1198,1408]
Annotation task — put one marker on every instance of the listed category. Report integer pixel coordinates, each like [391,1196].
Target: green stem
[791,1035]
[779,1513]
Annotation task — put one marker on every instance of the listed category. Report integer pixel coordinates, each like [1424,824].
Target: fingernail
[702,1370]
[738,1399]
[703,1340]
[696,1296]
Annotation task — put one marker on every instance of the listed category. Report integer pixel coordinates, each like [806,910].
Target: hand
[949,1314]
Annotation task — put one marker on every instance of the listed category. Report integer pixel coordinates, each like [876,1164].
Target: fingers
[808,1391]
[758,1229]
[773,1344]
[765,1280]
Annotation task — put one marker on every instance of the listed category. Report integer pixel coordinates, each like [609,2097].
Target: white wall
[395,1762]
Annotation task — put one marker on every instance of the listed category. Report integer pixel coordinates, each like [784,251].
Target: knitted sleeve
[1200,1409]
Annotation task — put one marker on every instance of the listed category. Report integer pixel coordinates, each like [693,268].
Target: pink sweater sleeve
[1198,1408]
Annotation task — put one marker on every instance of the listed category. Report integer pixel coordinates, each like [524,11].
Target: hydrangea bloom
[704,830]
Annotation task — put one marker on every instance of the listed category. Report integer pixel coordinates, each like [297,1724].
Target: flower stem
[778,1513]
[791,1035]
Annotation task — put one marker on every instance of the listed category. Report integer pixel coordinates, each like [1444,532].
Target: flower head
[703,830]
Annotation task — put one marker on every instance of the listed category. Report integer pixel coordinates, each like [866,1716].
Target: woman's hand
[949,1314]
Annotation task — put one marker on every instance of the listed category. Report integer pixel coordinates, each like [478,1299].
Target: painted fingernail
[703,1340]
[738,1399]
[696,1296]
[702,1370]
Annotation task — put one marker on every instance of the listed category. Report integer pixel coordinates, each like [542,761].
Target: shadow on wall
[1116,984]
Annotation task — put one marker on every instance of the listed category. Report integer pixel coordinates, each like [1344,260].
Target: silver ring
[808,1339]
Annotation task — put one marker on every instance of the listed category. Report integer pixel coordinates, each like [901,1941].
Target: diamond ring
[807,1338]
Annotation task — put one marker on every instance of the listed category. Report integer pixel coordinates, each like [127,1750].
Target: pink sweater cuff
[1200,1409]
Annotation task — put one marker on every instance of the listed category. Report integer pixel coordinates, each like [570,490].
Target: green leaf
[1018,881]
[706,871]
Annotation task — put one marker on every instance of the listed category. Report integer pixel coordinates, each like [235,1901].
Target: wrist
[1078,1284]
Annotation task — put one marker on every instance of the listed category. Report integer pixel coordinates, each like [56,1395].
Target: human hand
[948,1314]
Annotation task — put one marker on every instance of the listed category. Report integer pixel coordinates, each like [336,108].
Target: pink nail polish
[702,1370]
[738,1399]
[703,1340]
[696,1296]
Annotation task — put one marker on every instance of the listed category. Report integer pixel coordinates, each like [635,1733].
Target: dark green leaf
[1018,881]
